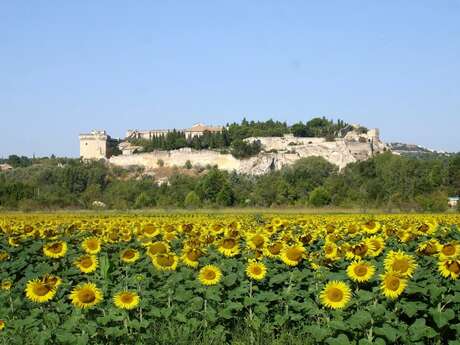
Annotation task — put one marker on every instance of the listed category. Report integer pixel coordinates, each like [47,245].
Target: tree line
[386,181]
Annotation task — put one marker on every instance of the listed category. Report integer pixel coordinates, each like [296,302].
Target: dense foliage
[234,133]
[386,181]
[233,279]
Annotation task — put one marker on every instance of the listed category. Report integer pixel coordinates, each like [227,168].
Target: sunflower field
[229,279]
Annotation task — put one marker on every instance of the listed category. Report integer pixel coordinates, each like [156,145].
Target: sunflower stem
[250,305]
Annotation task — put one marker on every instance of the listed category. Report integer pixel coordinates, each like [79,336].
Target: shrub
[192,200]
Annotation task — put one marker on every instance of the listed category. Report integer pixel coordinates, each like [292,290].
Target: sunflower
[401,263]
[360,271]
[273,249]
[51,281]
[430,247]
[129,255]
[330,250]
[39,292]
[158,247]
[256,241]
[377,244]
[55,249]
[335,295]
[256,270]
[86,295]
[210,275]
[86,263]
[292,255]
[150,230]
[126,300]
[4,255]
[2,325]
[449,268]
[229,247]
[392,284]
[165,262]
[449,251]
[191,256]
[91,245]
[358,251]
[371,227]
[6,284]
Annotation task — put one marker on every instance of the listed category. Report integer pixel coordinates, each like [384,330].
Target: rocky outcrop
[277,152]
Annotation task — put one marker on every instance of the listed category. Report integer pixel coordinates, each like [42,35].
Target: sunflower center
[448,249]
[401,265]
[360,249]
[193,255]
[256,270]
[454,267]
[275,248]
[329,249]
[92,244]
[258,240]
[86,262]
[55,247]
[294,254]
[360,270]
[41,290]
[128,254]
[228,243]
[209,275]
[393,283]
[86,296]
[423,228]
[157,248]
[370,224]
[165,260]
[127,298]
[335,294]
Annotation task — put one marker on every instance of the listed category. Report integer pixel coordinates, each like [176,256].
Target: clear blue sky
[71,66]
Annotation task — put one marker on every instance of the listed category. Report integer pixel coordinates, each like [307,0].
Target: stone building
[196,130]
[94,145]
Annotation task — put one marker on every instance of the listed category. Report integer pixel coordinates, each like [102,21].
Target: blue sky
[71,66]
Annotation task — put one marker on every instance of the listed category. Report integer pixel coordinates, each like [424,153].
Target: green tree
[192,200]
[320,196]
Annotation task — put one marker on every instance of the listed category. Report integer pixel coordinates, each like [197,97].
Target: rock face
[276,153]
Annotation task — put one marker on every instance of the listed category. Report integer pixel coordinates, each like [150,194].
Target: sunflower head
[292,255]
[92,245]
[126,300]
[86,295]
[129,255]
[87,263]
[6,284]
[2,325]
[360,271]
[335,295]
[39,292]
[256,270]
[400,263]
[392,284]
[449,268]
[210,275]
[55,249]
[165,261]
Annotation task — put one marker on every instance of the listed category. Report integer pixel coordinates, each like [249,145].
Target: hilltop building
[194,131]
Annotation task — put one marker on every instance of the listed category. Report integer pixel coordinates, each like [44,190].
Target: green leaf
[388,332]
[319,333]
[411,308]
[342,339]
[419,330]
[360,319]
[441,318]
[230,279]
